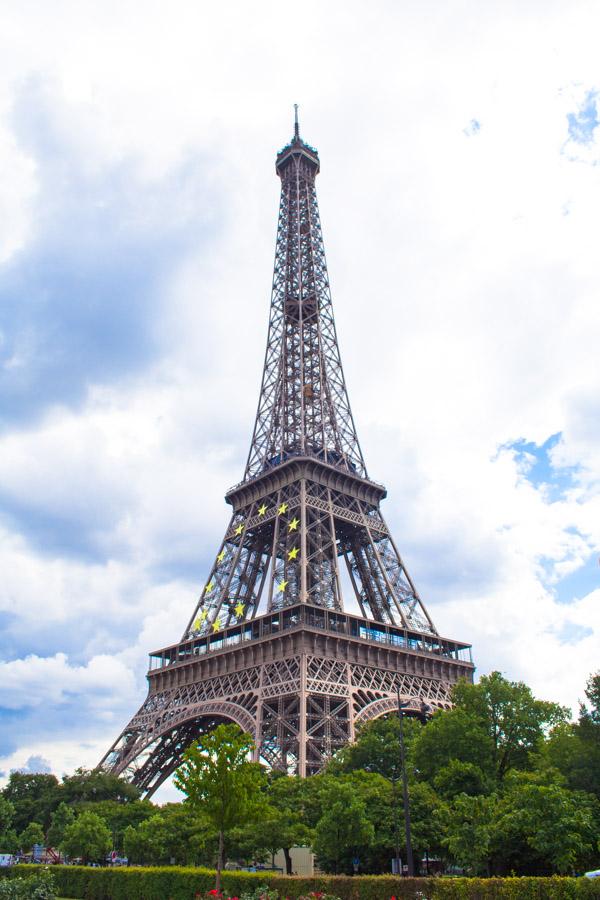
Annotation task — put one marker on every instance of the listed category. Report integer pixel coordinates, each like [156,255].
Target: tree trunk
[219,862]
[288,860]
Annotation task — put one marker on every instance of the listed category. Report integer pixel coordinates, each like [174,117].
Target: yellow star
[281,588]
[282,509]
[239,609]
[196,625]
[203,615]
[209,587]
[216,625]
[293,553]
[221,555]
[262,509]
[239,529]
[294,524]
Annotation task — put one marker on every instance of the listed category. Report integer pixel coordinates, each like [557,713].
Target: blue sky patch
[579,583]
[536,467]
[584,122]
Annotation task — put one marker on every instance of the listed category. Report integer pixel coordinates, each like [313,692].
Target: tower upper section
[303,408]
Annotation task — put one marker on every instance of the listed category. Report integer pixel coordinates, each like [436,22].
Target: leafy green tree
[34,798]
[468,825]
[221,784]
[513,719]
[62,817]
[7,814]
[119,815]
[377,748]
[453,734]
[173,833]
[287,797]
[543,828]
[147,844]
[190,839]
[574,748]
[33,834]
[458,777]
[88,837]
[93,785]
[8,836]
[343,831]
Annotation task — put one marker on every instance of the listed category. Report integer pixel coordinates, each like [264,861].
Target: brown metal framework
[302,675]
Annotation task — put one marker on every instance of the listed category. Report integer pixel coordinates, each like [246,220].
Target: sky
[459,196]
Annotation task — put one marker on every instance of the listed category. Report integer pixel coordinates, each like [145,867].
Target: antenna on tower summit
[296,126]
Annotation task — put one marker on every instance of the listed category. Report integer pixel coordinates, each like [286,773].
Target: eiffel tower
[271,644]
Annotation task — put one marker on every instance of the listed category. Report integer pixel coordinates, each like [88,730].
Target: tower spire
[296,126]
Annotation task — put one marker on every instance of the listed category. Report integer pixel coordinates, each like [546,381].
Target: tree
[512,717]
[33,834]
[119,815]
[458,777]
[453,734]
[543,828]
[173,833]
[468,831]
[343,831]
[8,836]
[377,748]
[34,797]
[220,783]
[93,785]
[147,843]
[88,837]
[7,813]
[62,817]
[287,819]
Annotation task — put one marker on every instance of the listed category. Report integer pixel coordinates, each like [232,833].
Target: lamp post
[409,857]
[422,715]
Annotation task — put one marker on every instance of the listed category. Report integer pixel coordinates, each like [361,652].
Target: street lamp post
[409,855]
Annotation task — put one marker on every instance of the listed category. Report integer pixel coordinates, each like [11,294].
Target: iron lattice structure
[269,644]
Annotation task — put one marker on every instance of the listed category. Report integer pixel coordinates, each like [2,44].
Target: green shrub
[175,883]
[37,885]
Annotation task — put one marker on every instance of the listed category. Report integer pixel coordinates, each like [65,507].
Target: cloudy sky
[459,195]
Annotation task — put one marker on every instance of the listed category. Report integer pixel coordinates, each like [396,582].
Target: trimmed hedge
[175,883]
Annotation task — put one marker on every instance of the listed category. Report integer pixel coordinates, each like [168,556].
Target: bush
[37,885]
[175,883]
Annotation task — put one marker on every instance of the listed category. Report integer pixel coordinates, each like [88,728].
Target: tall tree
[343,831]
[33,834]
[33,796]
[220,783]
[514,719]
[62,817]
[88,837]
[92,785]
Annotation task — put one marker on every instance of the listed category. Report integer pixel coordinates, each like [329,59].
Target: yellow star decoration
[281,588]
[203,615]
[239,529]
[262,509]
[209,587]
[293,553]
[196,625]
[216,625]
[239,609]
[221,555]
[282,509]
[294,524]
